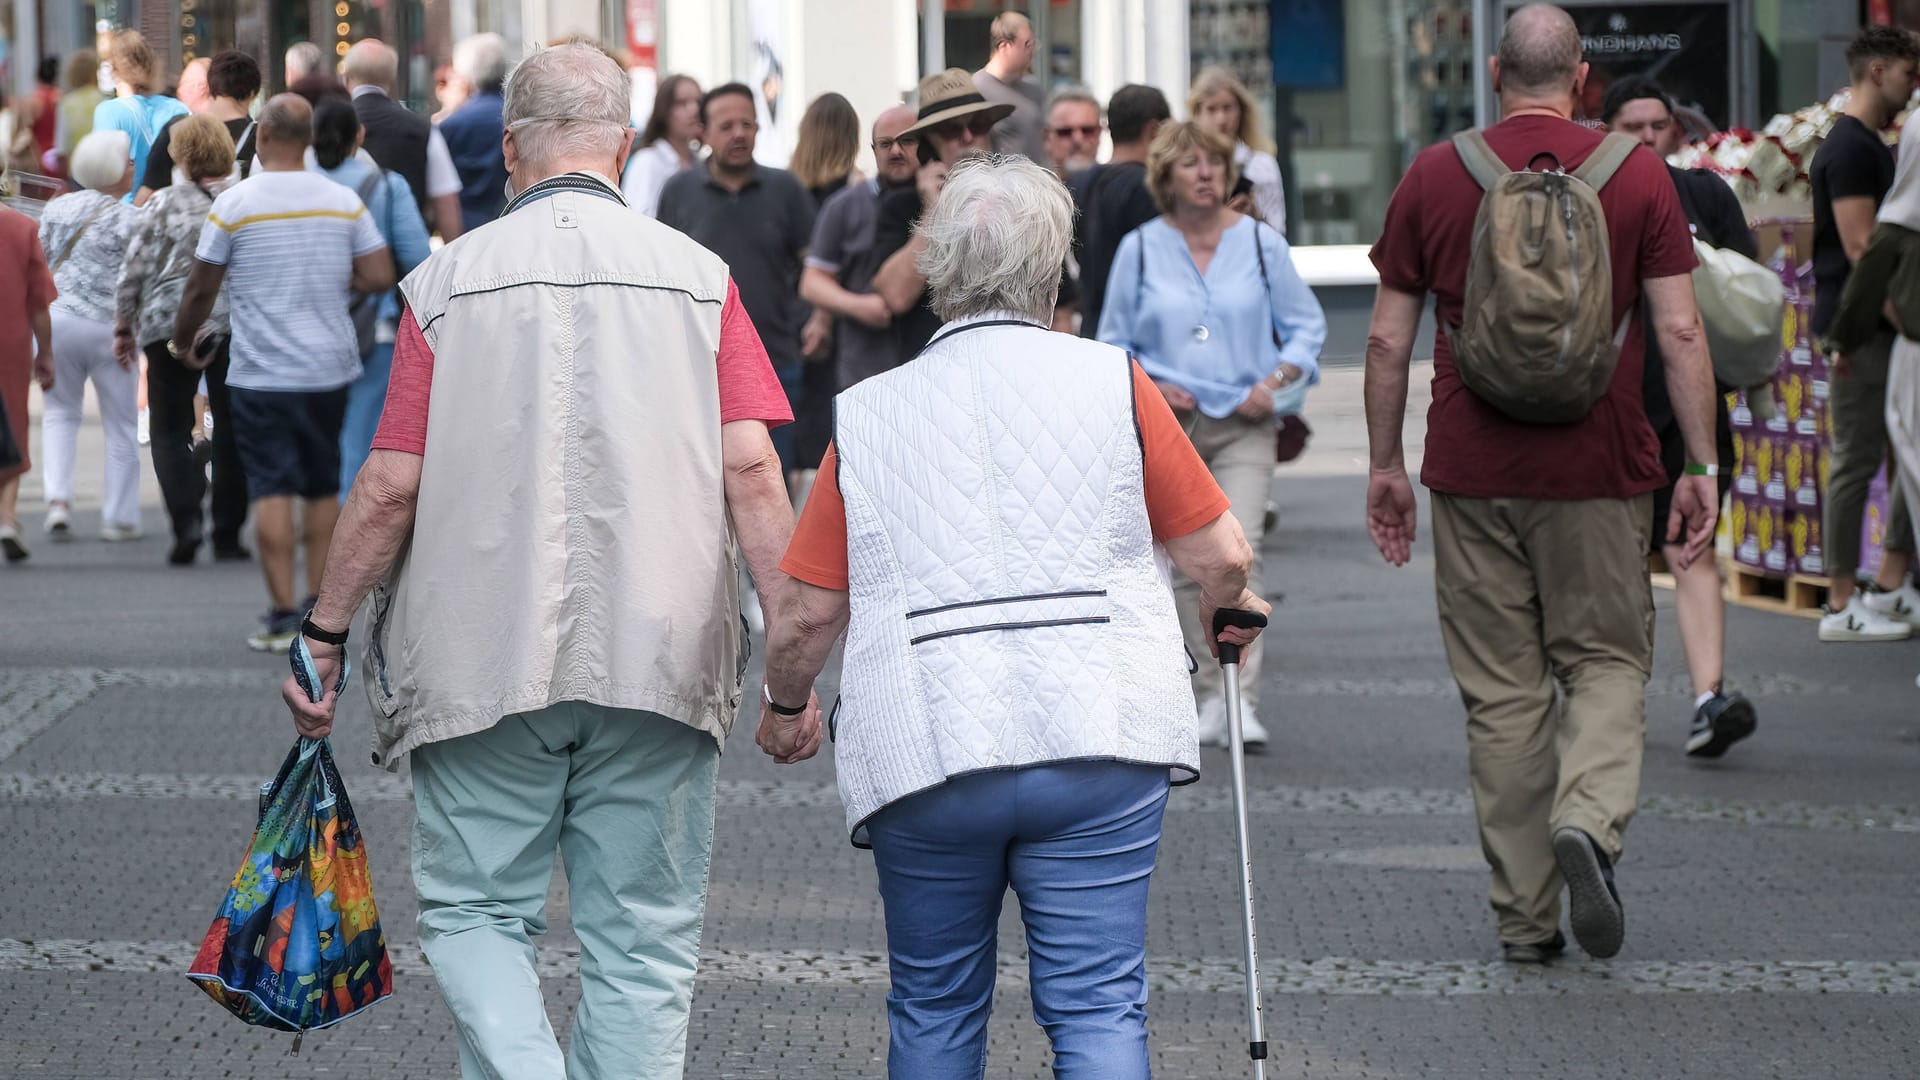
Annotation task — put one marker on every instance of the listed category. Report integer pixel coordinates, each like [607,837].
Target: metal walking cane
[1224,619]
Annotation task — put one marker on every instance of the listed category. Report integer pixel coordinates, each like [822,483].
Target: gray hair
[1075,92]
[566,102]
[371,63]
[307,56]
[1539,50]
[482,61]
[996,239]
[101,160]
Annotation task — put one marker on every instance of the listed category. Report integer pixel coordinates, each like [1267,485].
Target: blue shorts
[289,441]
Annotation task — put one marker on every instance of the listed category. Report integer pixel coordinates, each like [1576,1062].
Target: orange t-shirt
[1181,494]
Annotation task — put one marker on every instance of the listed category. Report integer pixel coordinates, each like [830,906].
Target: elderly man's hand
[314,719]
[790,739]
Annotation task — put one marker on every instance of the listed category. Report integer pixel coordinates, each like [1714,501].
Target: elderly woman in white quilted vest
[991,527]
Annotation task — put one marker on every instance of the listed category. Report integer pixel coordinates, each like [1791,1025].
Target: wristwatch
[326,637]
[766,693]
[1696,469]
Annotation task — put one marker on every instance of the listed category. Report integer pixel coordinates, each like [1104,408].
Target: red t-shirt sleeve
[817,554]
[1400,253]
[1181,492]
[403,423]
[749,389]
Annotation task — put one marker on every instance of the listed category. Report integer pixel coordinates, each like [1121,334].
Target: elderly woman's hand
[1233,635]
[790,739]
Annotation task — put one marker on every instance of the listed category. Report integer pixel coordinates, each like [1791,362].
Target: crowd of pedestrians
[1108,354]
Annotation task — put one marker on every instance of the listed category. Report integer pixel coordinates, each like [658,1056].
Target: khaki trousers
[1239,453]
[1548,622]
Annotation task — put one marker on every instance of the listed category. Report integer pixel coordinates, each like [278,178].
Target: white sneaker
[1858,622]
[1898,605]
[117,534]
[59,523]
[142,429]
[1252,732]
[1213,721]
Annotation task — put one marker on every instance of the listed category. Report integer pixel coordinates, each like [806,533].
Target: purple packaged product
[1753,450]
[1873,532]
[1803,474]
[1804,544]
[1743,518]
[1773,470]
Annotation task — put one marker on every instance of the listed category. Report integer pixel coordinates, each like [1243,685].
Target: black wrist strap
[325,637]
[782,710]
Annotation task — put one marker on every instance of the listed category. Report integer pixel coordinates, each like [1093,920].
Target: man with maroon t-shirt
[1540,531]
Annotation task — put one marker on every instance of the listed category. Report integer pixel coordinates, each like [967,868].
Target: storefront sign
[1685,47]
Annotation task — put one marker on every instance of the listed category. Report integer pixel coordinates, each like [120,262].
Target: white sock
[1703,699]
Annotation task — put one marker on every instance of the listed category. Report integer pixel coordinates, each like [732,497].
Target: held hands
[789,740]
[314,719]
[1696,509]
[1392,514]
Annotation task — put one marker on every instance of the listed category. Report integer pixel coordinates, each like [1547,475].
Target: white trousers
[83,350]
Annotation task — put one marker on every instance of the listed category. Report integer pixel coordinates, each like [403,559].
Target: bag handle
[66,249]
[1606,160]
[1477,155]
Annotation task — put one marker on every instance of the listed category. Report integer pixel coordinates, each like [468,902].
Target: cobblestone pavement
[1771,896]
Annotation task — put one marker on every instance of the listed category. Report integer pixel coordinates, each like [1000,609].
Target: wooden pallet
[1797,594]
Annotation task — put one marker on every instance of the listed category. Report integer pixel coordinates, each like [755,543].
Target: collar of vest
[982,321]
[589,182]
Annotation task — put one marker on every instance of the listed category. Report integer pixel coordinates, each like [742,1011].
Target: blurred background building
[1352,88]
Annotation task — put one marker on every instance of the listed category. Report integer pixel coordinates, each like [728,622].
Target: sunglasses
[978,123]
[1085,131]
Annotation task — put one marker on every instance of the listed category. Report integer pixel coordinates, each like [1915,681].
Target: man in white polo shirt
[292,247]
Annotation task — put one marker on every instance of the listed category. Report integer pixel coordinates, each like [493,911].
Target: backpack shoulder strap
[1606,160]
[1477,155]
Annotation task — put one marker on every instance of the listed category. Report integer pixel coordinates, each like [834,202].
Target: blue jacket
[473,137]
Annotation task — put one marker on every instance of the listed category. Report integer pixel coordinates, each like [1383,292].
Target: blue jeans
[1076,840]
[366,398]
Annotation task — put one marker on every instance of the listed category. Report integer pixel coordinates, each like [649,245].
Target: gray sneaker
[1599,924]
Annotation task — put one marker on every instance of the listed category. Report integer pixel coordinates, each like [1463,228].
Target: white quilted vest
[1009,604]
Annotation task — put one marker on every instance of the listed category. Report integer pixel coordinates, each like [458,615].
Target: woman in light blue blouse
[1208,301]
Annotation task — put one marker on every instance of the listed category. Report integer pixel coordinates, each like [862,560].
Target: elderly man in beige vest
[555,628]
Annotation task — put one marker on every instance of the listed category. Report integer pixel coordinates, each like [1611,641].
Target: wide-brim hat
[951,95]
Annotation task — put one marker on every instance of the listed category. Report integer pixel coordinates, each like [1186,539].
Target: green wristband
[1694,469]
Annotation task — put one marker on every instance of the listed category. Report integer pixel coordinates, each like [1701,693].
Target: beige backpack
[1538,341]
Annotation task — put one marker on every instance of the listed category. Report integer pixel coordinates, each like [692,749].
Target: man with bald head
[291,246]
[842,258]
[402,140]
[1541,530]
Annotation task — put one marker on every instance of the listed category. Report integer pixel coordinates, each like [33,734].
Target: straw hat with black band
[950,95]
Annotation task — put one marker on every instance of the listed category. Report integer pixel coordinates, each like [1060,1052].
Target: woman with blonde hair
[1208,301]
[159,257]
[822,161]
[828,143]
[1224,104]
[82,97]
[137,108]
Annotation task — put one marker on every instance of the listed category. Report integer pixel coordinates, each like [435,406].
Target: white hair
[101,159]
[996,239]
[307,57]
[565,102]
[482,61]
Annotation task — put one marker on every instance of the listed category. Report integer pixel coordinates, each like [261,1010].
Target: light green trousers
[628,799]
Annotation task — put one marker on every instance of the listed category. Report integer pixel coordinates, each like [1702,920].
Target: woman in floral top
[85,238]
[158,260]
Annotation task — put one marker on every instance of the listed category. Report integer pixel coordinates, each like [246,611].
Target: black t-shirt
[1717,220]
[1118,202]
[898,211]
[160,157]
[760,232]
[1854,162]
